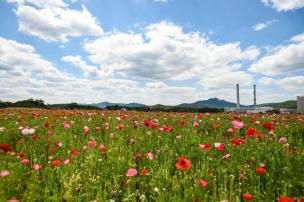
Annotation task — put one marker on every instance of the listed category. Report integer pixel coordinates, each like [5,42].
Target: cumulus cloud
[288,85]
[22,59]
[284,59]
[163,52]
[54,20]
[284,5]
[89,70]
[263,25]
[24,74]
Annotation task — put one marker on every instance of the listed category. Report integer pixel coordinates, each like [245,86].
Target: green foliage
[101,175]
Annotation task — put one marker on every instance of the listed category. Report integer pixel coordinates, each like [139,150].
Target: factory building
[300,104]
[253,109]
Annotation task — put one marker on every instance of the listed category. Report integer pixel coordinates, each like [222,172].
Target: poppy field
[79,155]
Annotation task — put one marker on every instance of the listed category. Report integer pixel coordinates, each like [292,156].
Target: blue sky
[151,51]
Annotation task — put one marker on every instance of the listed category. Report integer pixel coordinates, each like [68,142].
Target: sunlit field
[61,155]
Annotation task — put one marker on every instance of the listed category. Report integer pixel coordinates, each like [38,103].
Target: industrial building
[300,104]
[253,109]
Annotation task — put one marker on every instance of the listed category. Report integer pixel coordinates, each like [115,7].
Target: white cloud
[54,21]
[89,70]
[284,5]
[22,59]
[24,74]
[163,52]
[292,85]
[284,59]
[263,25]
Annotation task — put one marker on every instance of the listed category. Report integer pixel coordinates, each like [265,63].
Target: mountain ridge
[209,103]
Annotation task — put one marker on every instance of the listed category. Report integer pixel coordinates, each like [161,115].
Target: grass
[129,138]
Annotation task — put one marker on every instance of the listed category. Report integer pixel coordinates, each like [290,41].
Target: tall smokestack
[237,96]
[254,95]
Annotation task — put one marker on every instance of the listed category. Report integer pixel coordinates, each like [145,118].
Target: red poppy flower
[103,148]
[268,126]
[237,141]
[285,199]
[56,163]
[248,197]
[144,172]
[5,148]
[250,132]
[183,164]
[203,183]
[22,155]
[52,149]
[74,153]
[261,170]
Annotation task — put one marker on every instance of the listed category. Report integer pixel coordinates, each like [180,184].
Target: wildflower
[86,130]
[282,140]
[183,164]
[58,144]
[237,141]
[66,161]
[268,126]
[92,143]
[195,124]
[144,172]
[156,189]
[261,170]
[203,183]
[4,173]
[25,161]
[131,172]
[13,200]
[103,148]
[150,155]
[226,157]
[237,124]
[285,199]
[66,125]
[219,146]
[205,146]
[248,197]
[36,167]
[230,131]
[74,153]
[49,132]
[5,148]
[250,132]
[56,163]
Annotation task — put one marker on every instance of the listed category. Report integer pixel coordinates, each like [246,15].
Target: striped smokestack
[237,96]
[254,95]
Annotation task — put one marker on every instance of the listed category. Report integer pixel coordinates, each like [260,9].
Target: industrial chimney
[237,96]
[254,96]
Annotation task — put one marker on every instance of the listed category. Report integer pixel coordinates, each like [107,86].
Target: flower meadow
[71,155]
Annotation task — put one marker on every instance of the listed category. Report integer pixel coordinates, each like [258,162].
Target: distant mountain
[290,104]
[108,104]
[210,103]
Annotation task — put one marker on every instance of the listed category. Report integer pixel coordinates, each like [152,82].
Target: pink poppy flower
[4,173]
[237,124]
[282,140]
[25,161]
[13,200]
[36,167]
[131,172]
[86,130]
